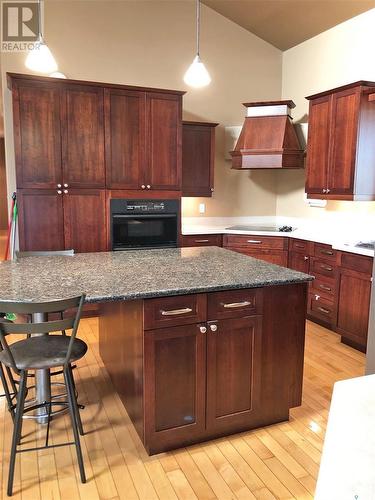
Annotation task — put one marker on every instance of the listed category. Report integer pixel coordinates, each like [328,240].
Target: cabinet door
[125,138]
[83,137]
[344,124]
[37,141]
[163,141]
[279,257]
[198,154]
[318,145]
[40,220]
[299,262]
[175,386]
[233,373]
[353,305]
[85,220]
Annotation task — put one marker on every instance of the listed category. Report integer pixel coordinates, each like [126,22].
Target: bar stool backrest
[47,253]
[45,327]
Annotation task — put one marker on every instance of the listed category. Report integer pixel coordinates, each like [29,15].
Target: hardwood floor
[280,461]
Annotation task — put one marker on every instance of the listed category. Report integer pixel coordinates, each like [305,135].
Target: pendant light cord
[198,15]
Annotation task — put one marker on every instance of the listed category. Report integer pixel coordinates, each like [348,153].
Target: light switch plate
[202,208]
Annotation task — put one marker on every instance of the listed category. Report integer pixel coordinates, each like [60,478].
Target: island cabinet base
[189,368]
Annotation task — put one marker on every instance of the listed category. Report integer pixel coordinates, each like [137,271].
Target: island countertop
[111,276]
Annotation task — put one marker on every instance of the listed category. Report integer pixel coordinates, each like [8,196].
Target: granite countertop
[108,276]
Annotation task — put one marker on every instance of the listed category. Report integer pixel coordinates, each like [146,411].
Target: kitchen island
[199,342]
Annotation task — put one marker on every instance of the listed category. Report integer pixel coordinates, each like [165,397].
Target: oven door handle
[144,216]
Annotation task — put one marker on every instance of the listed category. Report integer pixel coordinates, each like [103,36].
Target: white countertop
[195,226]
[347,469]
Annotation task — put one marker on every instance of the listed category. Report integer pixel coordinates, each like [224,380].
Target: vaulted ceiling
[286,23]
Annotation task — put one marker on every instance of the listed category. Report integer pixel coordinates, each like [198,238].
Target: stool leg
[76,409]
[71,398]
[17,429]
[6,391]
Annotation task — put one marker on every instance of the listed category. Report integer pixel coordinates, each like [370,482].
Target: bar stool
[42,351]
[9,396]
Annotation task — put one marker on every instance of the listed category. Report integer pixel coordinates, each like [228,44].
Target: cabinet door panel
[299,262]
[175,383]
[125,138]
[353,305]
[83,137]
[345,113]
[318,145]
[41,220]
[85,220]
[164,129]
[279,257]
[233,372]
[37,135]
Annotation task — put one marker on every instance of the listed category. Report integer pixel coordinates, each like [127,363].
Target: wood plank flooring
[280,461]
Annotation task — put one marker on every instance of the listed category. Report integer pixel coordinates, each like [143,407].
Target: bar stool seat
[44,352]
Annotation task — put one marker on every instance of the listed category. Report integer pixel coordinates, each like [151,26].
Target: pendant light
[40,59]
[197,74]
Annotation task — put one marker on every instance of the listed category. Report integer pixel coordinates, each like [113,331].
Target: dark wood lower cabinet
[187,383]
[233,372]
[299,261]
[279,257]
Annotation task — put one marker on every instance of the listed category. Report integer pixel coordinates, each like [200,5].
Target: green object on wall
[11,316]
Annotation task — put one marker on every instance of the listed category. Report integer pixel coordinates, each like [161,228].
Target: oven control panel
[147,206]
[121,206]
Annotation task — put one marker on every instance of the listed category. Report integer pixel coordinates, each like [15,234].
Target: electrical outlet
[202,208]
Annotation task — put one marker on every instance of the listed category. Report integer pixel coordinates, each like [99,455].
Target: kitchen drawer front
[326,268]
[173,311]
[360,263]
[326,252]
[321,308]
[279,257]
[253,241]
[324,285]
[234,304]
[202,240]
[301,246]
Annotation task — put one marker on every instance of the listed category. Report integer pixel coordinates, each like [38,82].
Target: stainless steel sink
[370,245]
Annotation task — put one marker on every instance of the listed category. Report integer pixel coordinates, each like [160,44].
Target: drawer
[234,303]
[321,308]
[360,263]
[301,246]
[326,252]
[174,311]
[326,268]
[251,241]
[324,285]
[279,257]
[201,240]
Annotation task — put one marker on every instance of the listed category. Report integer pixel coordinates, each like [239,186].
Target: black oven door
[132,232]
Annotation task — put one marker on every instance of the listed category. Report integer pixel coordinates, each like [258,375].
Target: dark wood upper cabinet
[37,137]
[40,220]
[82,126]
[341,150]
[125,138]
[85,220]
[198,158]
[163,140]
[233,372]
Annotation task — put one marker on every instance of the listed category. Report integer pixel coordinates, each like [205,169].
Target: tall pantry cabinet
[74,141]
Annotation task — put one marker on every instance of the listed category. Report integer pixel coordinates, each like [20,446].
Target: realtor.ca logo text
[20,25]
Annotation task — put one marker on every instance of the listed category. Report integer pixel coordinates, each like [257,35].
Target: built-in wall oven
[142,224]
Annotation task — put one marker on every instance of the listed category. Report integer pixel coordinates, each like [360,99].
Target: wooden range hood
[268,138]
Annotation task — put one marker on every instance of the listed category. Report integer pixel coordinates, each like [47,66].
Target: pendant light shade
[40,58]
[197,75]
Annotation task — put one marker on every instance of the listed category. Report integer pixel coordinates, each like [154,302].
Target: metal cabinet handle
[212,190]
[233,305]
[59,185]
[143,186]
[326,268]
[328,190]
[324,190]
[299,245]
[148,186]
[201,241]
[176,312]
[317,297]
[305,258]
[202,329]
[66,185]
[59,191]
[324,287]
[254,241]
[213,328]
[326,252]
[323,310]
[66,191]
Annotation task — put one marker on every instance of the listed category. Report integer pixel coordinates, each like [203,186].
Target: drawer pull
[324,287]
[327,252]
[255,241]
[305,257]
[323,310]
[299,245]
[176,312]
[326,268]
[201,241]
[233,305]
